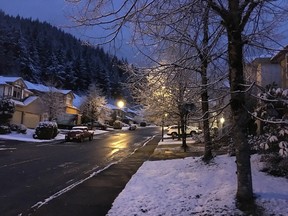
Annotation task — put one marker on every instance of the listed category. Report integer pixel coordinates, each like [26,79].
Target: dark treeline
[41,53]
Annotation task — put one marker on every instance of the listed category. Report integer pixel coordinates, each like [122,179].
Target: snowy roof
[5,80]
[130,111]
[26,102]
[113,107]
[279,54]
[78,100]
[43,88]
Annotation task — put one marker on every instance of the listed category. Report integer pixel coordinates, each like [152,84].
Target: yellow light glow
[120,104]
[222,120]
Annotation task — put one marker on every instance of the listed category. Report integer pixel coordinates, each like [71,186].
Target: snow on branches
[273,113]
[7,108]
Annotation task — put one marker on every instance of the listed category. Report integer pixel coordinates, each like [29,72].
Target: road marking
[4,149]
[68,188]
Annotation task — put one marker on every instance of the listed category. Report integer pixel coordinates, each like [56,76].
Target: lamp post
[165,115]
[120,104]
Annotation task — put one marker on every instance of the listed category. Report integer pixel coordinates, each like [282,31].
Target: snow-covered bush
[273,111]
[19,128]
[117,124]
[273,141]
[275,165]
[46,130]
[4,129]
[7,108]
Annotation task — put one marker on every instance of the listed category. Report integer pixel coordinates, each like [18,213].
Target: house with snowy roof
[31,105]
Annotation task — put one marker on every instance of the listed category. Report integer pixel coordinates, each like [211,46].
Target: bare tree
[236,17]
[53,101]
[94,106]
[167,90]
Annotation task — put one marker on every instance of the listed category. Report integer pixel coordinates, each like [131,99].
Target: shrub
[46,130]
[275,165]
[117,125]
[19,128]
[22,129]
[7,108]
[4,129]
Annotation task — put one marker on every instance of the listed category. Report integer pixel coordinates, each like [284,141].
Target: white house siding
[271,73]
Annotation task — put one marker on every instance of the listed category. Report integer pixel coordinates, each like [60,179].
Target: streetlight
[222,120]
[119,114]
[120,104]
[165,115]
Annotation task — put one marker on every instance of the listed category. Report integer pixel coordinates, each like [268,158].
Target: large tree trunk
[239,118]
[204,92]
[205,110]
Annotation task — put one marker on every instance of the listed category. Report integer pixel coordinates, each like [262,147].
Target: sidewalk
[171,149]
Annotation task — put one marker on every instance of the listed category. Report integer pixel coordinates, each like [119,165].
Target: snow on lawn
[28,137]
[189,187]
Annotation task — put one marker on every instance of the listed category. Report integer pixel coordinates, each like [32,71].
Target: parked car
[168,127]
[79,133]
[132,127]
[190,130]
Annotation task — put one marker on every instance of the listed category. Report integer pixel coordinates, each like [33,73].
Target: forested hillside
[41,53]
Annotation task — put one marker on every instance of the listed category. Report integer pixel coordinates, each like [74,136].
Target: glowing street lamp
[120,104]
[222,120]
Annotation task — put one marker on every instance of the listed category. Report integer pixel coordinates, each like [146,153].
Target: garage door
[17,116]
[31,120]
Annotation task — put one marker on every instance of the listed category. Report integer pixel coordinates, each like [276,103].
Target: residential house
[132,116]
[281,58]
[263,72]
[61,100]
[117,113]
[30,107]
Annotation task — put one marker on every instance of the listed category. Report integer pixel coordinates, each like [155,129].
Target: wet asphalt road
[33,175]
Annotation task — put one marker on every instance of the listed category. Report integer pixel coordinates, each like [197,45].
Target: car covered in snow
[79,133]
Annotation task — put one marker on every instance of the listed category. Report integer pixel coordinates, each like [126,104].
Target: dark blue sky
[51,11]
[55,12]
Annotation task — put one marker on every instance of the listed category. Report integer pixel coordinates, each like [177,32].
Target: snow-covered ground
[189,187]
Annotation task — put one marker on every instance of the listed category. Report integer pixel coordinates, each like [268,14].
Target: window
[17,92]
